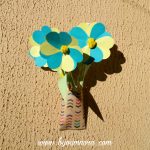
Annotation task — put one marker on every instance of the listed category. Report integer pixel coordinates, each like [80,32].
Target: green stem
[71,81]
[82,73]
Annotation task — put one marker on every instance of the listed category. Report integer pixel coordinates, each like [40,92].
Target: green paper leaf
[63,86]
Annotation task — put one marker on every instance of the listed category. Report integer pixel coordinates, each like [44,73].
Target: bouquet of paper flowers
[67,53]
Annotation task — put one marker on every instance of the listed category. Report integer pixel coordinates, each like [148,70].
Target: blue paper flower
[61,50]
[94,40]
[38,37]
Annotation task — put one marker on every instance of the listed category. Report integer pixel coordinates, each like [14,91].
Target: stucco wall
[30,99]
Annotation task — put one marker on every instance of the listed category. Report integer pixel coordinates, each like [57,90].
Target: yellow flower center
[91,43]
[64,49]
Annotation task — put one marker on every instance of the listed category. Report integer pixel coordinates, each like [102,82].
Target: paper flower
[38,37]
[61,50]
[93,39]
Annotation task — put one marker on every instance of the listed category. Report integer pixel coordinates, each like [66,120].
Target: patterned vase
[72,112]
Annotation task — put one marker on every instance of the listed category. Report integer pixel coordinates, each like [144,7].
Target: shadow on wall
[98,72]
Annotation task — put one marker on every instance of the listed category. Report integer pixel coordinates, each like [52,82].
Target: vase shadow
[99,72]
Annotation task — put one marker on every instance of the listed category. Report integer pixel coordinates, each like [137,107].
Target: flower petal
[86,50]
[54,60]
[97,30]
[105,43]
[76,55]
[74,42]
[65,38]
[38,37]
[35,51]
[46,65]
[32,42]
[55,30]
[46,30]
[96,54]
[47,49]
[106,52]
[82,43]
[67,63]
[78,33]
[104,34]
[40,61]
[88,28]
[54,39]
[84,26]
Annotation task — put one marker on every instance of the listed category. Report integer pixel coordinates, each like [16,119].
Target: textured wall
[30,100]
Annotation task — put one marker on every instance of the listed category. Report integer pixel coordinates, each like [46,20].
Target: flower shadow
[98,72]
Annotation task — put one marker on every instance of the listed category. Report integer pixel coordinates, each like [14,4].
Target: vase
[72,115]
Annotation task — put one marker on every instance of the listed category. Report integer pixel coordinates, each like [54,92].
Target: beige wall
[30,99]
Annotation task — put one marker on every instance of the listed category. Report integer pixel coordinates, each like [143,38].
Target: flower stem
[73,81]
